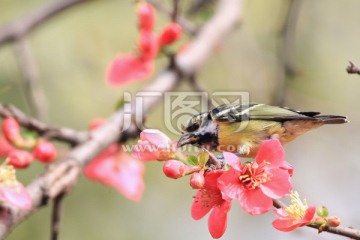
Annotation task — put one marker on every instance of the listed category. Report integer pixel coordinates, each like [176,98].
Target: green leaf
[29,134]
[203,158]
[192,160]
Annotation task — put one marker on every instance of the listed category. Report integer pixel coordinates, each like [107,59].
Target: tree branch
[346,232]
[33,89]
[62,134]
[286,51]
[62,175]
[353,69]
[188,26]
[19,28]
[56,216]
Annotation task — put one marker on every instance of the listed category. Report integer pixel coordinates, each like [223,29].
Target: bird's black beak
[187,139]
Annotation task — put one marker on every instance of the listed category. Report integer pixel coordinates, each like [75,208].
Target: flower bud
[11,129]
[333,221]
[170,34]
[5,147]
[20,158]
[174,169]
[146,15]
[322,211]
[319,220]
[44,151]
[197,180]
[148,45]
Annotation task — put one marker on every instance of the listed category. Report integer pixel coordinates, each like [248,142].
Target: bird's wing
[254,111]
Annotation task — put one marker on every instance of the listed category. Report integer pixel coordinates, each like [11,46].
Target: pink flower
[146,14]
[256,184]
[139,66]
[116,168]
[11,129]
[154,145]
[5,147]
[44,151]
[11,190]
[20,158]
[296,215]
[148,46]
[127,68]
[170,34]
[210,198]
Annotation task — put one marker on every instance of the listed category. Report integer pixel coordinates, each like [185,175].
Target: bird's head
[198,131]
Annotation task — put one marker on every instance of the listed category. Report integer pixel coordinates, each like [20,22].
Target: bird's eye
[193,127]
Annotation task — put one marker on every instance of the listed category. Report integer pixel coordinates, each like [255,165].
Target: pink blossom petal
[271,151]
[5,147]
[288,167]
[199,207]
[285,225]
[309,214]
[145,152]
[281,213]
[232,160]
[255,202]
[148,45]
[16,195]
[120,171]
[217,221]
[211,179]
[229,184]
[126,68]
[278,186]
[156,137]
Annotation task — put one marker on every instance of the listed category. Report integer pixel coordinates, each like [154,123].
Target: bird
[241,128]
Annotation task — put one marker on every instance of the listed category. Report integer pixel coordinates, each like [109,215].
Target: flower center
[210,198]
[298,208]
[253,175]
[7,175]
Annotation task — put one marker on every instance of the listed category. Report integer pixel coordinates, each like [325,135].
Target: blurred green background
[73,50]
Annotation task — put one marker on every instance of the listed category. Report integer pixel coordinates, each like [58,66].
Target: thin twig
[33,88]
[198,5]
[347,232]
[286,51]
[187,25]
[24,25]
[62,134]
[353,69]
[56,216]
[198,87]
[176,10]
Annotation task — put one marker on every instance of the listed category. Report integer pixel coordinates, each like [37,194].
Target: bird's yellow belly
[245,137]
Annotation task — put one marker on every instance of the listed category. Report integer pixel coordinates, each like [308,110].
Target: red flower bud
[11,129]
[5,147]
[146,15]
[20,158]
[170,34]
[44,151]
[197,180]
[148,45]
[174,169]
[333,221]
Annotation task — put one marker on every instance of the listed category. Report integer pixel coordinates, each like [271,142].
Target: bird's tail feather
[332,119]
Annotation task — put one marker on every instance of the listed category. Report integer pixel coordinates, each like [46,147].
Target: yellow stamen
[298,208]
[7,174]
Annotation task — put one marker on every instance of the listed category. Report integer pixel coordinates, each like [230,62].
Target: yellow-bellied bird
[241,128]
